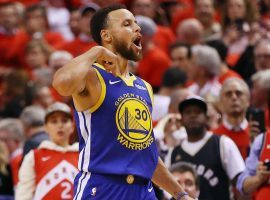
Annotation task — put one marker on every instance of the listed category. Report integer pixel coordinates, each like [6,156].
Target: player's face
[125,33]
[59,126]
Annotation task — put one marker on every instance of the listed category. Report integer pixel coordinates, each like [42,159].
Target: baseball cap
[193,100]
[89,7]
[58,107]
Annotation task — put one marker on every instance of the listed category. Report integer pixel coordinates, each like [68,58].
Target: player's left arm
[164,179]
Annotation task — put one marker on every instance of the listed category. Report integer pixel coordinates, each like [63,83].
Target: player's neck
[122,65]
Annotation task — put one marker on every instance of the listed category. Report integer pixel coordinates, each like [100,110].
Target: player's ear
[105,36]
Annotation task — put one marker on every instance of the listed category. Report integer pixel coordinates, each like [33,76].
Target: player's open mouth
[137,42]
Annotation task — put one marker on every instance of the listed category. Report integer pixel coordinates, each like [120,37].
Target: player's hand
[107,59]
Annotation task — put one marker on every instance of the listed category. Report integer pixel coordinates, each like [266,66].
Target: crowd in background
[210,56]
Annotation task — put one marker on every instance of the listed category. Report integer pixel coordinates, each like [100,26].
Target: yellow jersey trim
[150,91]
[128,82]
[102,95]
[99,65]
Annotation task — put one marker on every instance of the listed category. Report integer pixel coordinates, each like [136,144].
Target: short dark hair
[181,44]
[33,8]
[182,167]
[221,48]
[99,21]
[173,77]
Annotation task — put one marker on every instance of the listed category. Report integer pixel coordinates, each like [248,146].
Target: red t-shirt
[153,65]
[241,138]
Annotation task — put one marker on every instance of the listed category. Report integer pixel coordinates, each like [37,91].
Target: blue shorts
[111,187]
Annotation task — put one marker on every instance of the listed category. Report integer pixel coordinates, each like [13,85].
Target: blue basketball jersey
[116,134]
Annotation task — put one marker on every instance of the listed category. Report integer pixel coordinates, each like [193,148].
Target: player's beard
[128,53]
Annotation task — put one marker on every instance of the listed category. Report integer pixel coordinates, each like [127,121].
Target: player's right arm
[78,79]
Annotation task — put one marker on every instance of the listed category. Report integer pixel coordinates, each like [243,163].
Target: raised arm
[73,77]
[163,178]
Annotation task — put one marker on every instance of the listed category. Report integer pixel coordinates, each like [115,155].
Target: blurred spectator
[58,18]
[155,62]
[225,71]
[225,162]
[205,71]
[173,79]
[177,97]
[205,13]
[170,8]
[181,55]
[36,27]
[32,118]
[168,136]
[238,16]
[16,94]
[74,22]
[84,41]
[255,178]
[262,55]
[190,31]
[260,93]
[163,36]
[37,54]
[8,28]
[6,185]
[11,133]
[187,176]
[42,96]
[57,60]
[148,8]
[49,171]
[234,102]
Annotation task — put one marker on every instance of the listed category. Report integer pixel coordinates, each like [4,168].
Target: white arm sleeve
[26,186]
[231,158]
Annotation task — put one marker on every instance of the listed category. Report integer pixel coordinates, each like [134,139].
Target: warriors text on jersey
[116,135]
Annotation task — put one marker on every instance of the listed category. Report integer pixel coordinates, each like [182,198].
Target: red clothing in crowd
[240,135]
[15,164]
[77,46]
[17,51]
[6,41]
[153,65]
[163,38]
[229,74]
[263,192]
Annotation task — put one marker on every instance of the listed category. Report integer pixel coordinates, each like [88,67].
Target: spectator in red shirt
[190,31]
[155,61]
[163,36]
[36,27]
[84,41]
[234,102]
[8,29]
[180,54]
[225,71]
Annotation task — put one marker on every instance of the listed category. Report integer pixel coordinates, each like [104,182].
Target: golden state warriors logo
[134,123]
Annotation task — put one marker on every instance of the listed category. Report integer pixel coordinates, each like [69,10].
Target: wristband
[181,195]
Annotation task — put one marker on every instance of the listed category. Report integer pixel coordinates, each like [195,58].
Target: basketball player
[48,171]
[118,155]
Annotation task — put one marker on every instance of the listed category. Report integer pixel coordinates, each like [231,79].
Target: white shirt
[212,88]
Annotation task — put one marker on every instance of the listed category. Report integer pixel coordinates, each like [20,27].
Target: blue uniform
[116,141]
